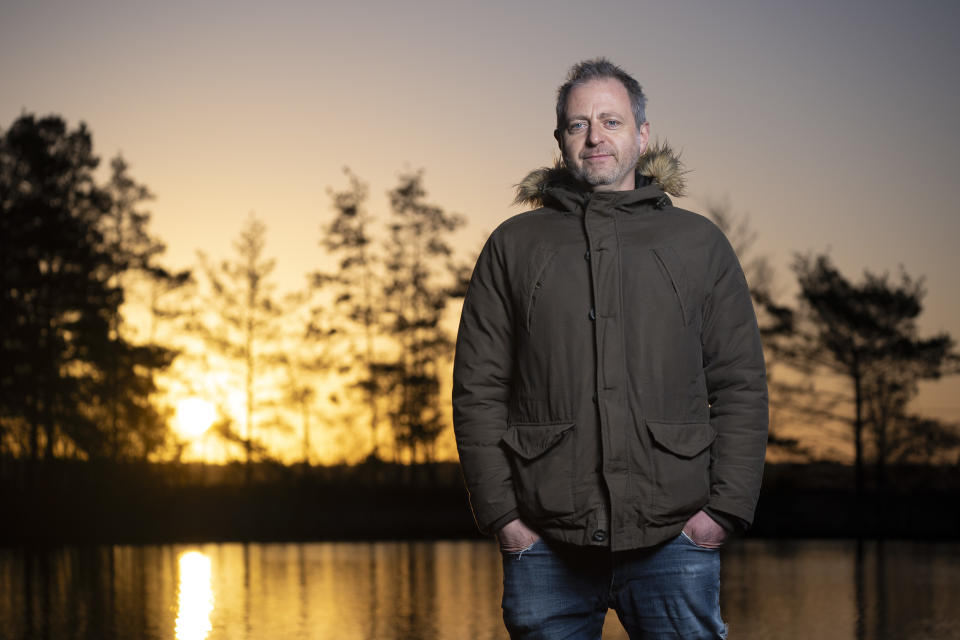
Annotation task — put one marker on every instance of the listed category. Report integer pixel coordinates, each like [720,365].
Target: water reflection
[834,590]
[194,597]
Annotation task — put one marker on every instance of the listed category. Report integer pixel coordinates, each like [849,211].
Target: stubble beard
[596,177]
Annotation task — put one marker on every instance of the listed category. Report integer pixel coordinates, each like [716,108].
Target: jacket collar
[659,172]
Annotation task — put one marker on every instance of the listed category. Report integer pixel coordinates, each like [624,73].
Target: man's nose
[595,135]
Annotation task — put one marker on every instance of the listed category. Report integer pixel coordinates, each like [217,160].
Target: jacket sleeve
[736,389]
[482,370]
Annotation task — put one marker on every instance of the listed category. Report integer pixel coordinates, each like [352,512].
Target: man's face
[600,141]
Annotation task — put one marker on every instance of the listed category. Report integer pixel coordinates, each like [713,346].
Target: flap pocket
[530,441]
[685,439]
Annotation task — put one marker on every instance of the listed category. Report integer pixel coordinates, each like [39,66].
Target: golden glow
[237,406]
[194,417]
[194,597]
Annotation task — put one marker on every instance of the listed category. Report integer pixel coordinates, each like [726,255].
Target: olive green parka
[609,379]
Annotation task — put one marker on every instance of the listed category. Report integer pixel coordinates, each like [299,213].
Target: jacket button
[586,256]
[593,314]
[599,535]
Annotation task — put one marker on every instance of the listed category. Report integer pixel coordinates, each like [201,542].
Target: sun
[194,416]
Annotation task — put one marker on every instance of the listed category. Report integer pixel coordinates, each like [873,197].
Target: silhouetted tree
[421,279]
[388,300]
[354,288]
[244,316]
[301,394]
[867,333]
[128,387]
[54,276]
[776,322]
[71,381]
[918,439]
[307,355]
[57,296]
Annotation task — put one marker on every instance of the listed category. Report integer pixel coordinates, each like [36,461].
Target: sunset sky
[832,124]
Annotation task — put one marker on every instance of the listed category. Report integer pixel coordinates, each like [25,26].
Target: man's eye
[613,123]
[576,126]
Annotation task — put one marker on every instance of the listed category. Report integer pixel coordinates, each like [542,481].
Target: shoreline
[94,503]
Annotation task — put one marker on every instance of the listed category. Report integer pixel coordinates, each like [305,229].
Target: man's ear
[644,135]
[559,137]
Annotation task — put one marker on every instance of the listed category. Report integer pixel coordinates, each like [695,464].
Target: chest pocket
[536,281]
[672,269]
[539,276]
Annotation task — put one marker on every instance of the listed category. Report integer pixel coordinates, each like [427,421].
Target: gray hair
[596,69]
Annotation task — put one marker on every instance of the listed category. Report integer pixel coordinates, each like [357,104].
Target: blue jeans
[553,591]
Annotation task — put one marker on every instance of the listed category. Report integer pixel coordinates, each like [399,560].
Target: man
[610,400]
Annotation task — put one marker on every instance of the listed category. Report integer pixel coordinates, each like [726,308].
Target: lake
[830,590]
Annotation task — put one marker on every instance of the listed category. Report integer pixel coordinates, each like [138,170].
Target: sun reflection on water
[194,597]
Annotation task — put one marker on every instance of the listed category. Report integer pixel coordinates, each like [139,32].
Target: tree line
[361,351]
[78,380]
[848,353]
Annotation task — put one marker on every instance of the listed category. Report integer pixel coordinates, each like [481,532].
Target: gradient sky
[832,124]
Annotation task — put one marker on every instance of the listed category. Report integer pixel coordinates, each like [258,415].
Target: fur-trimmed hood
[659,165]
